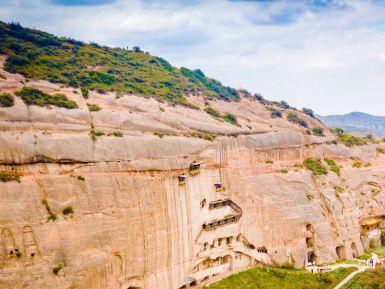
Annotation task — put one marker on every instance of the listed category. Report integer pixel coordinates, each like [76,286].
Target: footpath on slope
[350,276]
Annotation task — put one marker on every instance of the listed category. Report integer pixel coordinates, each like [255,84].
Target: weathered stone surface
[134,226]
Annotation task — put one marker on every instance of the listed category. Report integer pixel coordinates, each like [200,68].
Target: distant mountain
[358,123]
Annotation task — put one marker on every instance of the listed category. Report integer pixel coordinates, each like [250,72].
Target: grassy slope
[39,55]
[371,279]
[276,278]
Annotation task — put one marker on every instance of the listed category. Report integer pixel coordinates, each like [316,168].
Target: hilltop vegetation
[39,55]
[277,278]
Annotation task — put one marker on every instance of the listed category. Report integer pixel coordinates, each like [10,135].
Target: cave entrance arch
[340,251]
[311,258]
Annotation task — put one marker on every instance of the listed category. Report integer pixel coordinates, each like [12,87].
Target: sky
[328,55]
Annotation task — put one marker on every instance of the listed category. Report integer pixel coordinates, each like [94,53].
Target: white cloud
[328,58]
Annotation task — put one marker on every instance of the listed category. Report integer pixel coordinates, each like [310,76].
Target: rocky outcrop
[110,212]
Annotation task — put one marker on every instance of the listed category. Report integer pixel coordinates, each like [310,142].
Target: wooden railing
[225,221]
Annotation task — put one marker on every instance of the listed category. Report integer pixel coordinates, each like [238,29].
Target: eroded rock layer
[130,212]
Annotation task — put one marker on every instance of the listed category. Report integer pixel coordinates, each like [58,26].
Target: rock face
[112,212]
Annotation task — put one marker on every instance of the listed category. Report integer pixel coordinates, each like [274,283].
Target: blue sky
[325,54]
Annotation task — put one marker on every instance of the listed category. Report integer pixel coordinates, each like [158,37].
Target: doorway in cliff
[354,250]
[311,258]
[340,250]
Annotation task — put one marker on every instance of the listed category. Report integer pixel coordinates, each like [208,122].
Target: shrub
[207,136]
[212,112]
[57,269]
[372,244]
[318,131]
[159,134]
[161,109]
[298,166]
[295,119]
[287,266]
[315,166]
[6,100]
[284,171]
[269,162]
[84,92]
[2,76]
[93,107]
[308,111]
[380,150]
[68,211]
[230,119]
[33,96]
[275,113]
[333,166]
[309,196]
[95,133]
[117,134]
[9,177]
[350,140]
[51,215]
[339,189]
[81,178]
[284,104]
[357,164]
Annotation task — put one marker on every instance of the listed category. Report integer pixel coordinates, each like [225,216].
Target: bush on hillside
[212,112]
[230,119]
[275,113]
[9,177]
[318,131]
[292,117]
[93,107]
[333,166]
[33,96]
[6,100]
[315,166]
[308,111]
[351,140]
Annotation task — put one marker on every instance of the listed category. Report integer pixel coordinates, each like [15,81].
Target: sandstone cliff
[133,223]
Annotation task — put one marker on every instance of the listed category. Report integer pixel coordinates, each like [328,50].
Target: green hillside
[277,278]
[39,55]
[371,279]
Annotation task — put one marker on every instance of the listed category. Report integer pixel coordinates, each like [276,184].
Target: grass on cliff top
[39,55]
[277,278]
[371,279]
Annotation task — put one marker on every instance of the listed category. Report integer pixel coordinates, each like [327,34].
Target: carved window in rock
[309,236]
[354,250]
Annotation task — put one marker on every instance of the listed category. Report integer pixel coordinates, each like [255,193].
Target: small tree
[308,111]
